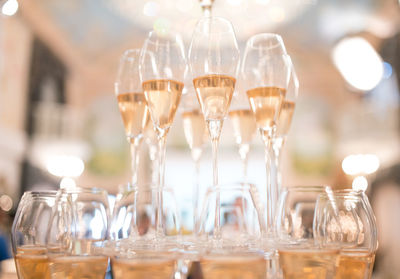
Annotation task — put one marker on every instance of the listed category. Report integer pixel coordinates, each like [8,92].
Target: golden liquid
[235,267]
[163,97]
[244,125]
[266,104]
[214,93]
[134,112]
[32,262]
[309,264]
[72,267]
[194,128]
[285,117]
[143,268]
[355,265]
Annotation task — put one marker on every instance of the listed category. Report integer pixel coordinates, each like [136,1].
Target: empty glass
[29,232]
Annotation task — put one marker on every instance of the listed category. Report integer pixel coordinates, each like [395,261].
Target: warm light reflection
[10,7]
[6,203]
[65,166]
[358,62]
[360,164]
[67,183]
[360,183]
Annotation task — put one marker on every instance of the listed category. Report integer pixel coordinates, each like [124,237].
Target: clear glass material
[266,72]
[196,134]
[77,233]
[214,60]
[243,124]
[359,233]
[307,247]
[284,122]
[206,6]
[132,104]
[29,232]
[162,69]
[233,251]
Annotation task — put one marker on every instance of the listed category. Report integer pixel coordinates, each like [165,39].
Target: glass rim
[216,19]
[79,189]
[304,188]
[279,41]
[170,34]
[40,193]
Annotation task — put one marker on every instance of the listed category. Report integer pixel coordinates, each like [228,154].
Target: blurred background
[60,124]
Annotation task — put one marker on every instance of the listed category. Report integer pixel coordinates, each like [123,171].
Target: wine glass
[162,69]
[244,125]
[307,248]
[235,253]
[195,131]
[79,228]
[359,234]
[214,60]
[266,72]
[131,103]
[29,231]
[284,121]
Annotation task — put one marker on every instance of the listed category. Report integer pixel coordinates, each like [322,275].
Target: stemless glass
[132,104]
[214,60]
[359,234]
[29,232]
[307,248]
[162,69]
[235,252]
[195,131]
[284,121]
[266,72]
[244,125]
[81,236]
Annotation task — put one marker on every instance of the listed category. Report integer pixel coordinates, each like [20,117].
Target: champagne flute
[162,68]
[266,71]
[214,60]
[284,122]
[132,104]
[244,126]
[195,131]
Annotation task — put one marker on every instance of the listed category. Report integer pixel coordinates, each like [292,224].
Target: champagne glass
[244,126]
[132,104]
[162,68]
[266,71]
[307,248]
[29,234]
[214,60]
[236,254]
[79,228]
[284,122]
[359,233]
[195,131]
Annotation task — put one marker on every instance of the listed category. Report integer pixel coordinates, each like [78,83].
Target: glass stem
[196,187]
[277,144]
[162,139]
[214,128]
[134,145]
[271,186]
[244,155]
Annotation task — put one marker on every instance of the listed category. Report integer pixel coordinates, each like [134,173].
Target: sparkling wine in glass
[132,104]
[214,60]
[266,71]
[244,126]
[162,68]
[284,122]
[195,131]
